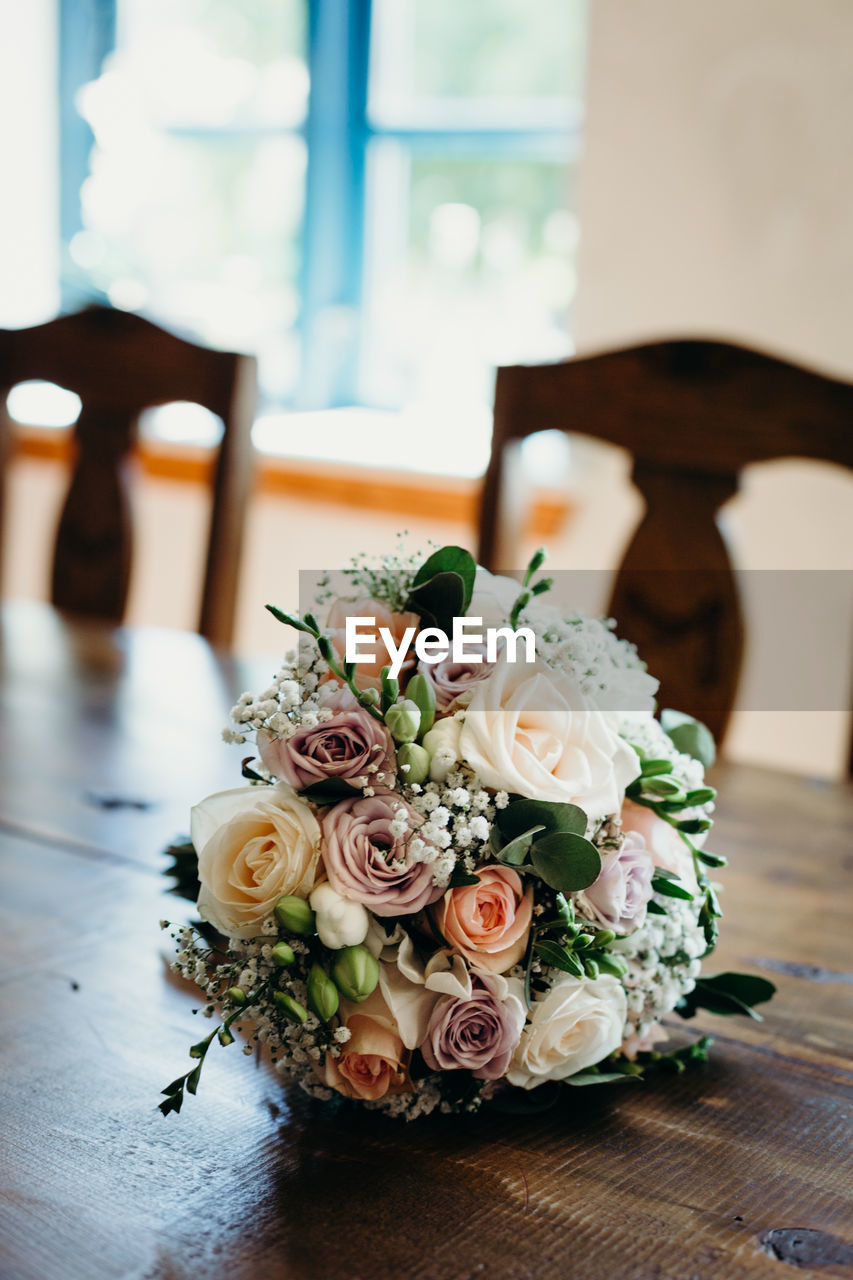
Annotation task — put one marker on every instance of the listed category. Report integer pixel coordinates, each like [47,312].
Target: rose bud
[322,994]
[295,915]
[422,692]
[442,743]
[236,995]
[291,1008]
[340,921]
[355,973]
[282,955]
[403,720]
[413,762]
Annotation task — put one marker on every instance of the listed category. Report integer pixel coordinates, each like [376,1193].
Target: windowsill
[340,483]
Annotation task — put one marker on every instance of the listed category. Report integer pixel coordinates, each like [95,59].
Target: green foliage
[183,868]
[443,586]
[727,993]
[690,736]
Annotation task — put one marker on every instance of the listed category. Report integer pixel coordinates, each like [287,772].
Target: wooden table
[739,1168]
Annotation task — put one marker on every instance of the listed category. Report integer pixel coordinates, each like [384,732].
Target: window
[376,198]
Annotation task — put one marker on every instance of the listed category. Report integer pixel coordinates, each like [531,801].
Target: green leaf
[171,1104]
[461,877]
[711,859]
[655,909]
[175,1086]
[193,1079]
[689,736]
[566,861]
[290,620]
[670,888]
[250,774]
[694,826]
[515,851]
[443,586]
[727,993]
[449,560]
[520,815]
[328,791]
[558,957]
[598,1077]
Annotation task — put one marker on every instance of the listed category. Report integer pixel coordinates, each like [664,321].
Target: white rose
[254,845]
[579,1022]
[493,597]
[340,921]
[531,730]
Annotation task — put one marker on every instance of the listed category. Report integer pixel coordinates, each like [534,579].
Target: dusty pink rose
[453,681]
[479,1034]
[663,842]
[369,674]
[618,898]
[488,922]
[350,746]
[367,862]
[373,1061]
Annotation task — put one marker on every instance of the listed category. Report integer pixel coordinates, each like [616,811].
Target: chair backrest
[692,414]
[119,364]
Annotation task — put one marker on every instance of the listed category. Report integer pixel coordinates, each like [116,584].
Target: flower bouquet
[467,862]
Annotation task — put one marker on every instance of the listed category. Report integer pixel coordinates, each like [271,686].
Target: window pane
[494,49]
[216,62]
[203,235]
[471,265]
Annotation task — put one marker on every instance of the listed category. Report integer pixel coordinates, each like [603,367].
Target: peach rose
[373,1061]
[488,923]
[663,842]
[369,674]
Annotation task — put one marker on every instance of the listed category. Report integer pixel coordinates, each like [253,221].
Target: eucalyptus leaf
[449,559]
[521,815]
[689,736]
[515,851]
[566,861]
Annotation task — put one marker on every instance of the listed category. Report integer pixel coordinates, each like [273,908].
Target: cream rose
[254,845]
[579,1022]
[530,729]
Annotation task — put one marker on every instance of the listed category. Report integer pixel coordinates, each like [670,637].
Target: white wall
[717,185]
[29,213]
[717,198]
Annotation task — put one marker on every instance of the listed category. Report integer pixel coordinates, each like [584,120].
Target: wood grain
[740,1168]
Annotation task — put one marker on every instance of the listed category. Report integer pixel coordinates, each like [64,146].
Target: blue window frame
[340,132]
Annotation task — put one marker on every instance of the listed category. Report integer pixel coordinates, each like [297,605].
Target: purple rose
[451,680]
[617,900]
[351,746]
[478,1035]
[368,859]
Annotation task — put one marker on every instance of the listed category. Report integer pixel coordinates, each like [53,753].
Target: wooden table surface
[738,1168]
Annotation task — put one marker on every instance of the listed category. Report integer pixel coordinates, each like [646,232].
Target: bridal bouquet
[468,861]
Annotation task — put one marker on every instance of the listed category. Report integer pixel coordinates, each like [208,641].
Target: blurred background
[385,199]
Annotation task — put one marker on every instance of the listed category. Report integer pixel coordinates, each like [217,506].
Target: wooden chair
[119,364]
[692,414]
